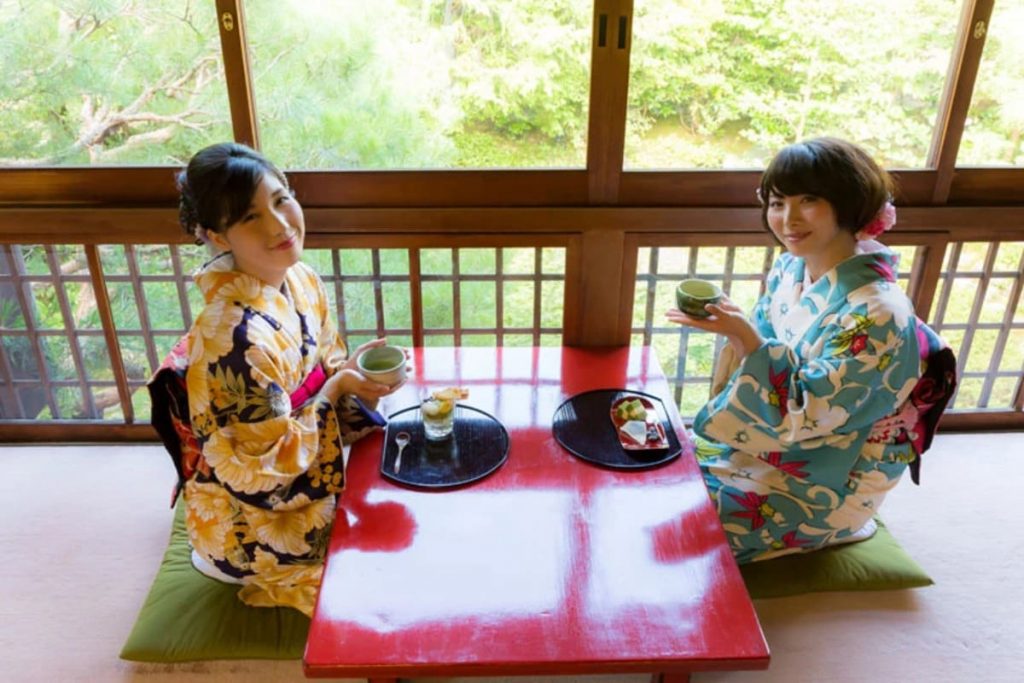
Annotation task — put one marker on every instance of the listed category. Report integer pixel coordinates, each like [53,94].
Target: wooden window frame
[602,209]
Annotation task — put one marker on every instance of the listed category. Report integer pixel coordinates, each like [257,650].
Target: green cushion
[188,616]
[876,564]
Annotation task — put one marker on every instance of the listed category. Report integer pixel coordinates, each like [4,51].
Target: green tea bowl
[383,364]
[694,294]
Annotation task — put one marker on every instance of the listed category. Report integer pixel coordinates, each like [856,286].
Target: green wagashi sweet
[633,409]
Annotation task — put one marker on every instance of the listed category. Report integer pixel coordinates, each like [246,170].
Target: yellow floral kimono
[260,504]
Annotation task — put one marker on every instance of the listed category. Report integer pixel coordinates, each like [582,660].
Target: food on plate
[636,430]
[633,409]
[444,401]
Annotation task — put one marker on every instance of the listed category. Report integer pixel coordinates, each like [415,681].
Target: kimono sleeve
[777,401]
[331,347]
[355,419]
[728,362]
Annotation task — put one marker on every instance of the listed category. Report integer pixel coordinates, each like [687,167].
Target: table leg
[670,678]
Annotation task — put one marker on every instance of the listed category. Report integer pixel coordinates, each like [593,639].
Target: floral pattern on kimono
[260,504]
[784,447]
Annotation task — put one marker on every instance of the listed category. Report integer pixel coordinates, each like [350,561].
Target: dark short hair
[218,185]
[835,170]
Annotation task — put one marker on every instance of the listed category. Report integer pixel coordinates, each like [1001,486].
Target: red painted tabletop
[551,565]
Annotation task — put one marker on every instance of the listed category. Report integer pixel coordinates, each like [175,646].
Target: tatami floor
[83,528]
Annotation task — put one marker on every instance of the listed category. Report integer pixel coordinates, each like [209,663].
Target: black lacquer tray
[477,446]
[583,425]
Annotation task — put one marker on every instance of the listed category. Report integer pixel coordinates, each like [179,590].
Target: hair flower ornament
[883,221]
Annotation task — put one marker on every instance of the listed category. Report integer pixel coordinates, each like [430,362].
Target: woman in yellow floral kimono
[272,396]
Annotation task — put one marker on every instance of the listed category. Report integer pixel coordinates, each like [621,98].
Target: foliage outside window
[726,83]
[422,83]
[99,82]
[471,84]
[995,123]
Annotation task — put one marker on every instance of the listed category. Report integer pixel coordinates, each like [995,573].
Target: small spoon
[402,439]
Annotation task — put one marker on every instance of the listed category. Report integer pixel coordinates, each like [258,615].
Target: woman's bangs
[794,172]
[243,177]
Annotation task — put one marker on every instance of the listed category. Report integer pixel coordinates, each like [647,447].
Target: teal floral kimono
[799,448]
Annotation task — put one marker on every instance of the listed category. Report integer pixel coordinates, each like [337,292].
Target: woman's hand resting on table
[728,320]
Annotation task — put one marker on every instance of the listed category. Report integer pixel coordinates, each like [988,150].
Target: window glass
[106,83]
[726,83]
[994,131]
[421,83]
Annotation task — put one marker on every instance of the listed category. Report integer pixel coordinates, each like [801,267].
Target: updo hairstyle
[218,185]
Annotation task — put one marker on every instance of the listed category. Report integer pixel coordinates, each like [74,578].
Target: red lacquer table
[551,565]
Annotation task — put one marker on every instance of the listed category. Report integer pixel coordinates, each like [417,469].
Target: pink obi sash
[309,388]
[918,418]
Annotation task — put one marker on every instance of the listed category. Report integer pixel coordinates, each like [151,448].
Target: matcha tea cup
[383,364]
[694,294]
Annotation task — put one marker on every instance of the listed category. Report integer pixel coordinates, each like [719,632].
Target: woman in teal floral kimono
[825,408]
